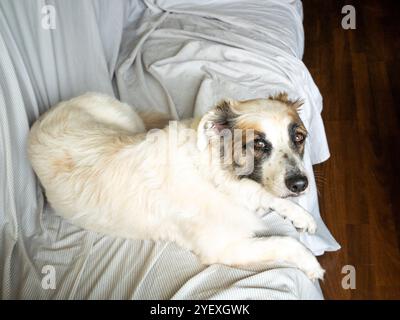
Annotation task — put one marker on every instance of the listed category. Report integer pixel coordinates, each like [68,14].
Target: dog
[203,183]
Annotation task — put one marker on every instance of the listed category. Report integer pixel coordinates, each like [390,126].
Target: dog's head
[260,139]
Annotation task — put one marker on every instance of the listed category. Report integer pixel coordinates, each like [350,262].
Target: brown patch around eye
[249,130]
[297,136]
[296,124]
[260,149]
[300,129]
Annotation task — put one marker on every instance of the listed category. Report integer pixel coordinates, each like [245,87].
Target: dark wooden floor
[358,74]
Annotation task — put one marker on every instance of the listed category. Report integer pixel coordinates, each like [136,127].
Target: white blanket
[175,56]
[189,56]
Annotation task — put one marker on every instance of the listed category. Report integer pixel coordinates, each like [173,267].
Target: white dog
[203,183]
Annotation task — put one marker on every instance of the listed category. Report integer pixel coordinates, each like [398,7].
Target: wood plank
[357,72]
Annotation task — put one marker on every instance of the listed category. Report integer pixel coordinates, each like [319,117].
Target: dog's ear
[214,122]
[283,97]
[296,104]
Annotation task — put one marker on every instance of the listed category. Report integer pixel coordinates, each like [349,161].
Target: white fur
[102,172]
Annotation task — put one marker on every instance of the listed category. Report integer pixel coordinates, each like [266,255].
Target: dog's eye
[299,138]
[260,144]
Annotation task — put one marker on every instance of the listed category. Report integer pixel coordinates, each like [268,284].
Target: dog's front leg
[300,218]
[253,196]
[271,250]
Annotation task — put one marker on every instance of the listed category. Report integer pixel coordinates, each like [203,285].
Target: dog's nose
[296,183]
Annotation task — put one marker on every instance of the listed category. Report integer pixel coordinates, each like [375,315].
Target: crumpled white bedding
[179,57]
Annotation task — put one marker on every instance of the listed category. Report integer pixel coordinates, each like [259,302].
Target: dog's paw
[305,222]
[316,274]
[311,267]
[300,218]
